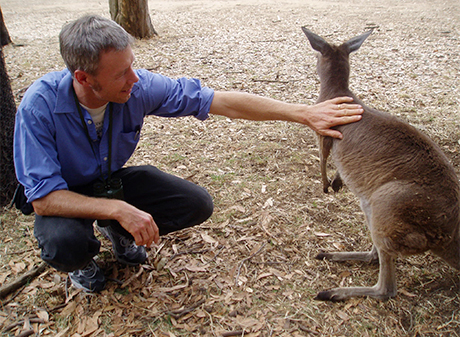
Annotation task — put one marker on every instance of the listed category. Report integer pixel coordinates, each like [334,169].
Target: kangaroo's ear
[356,42]
[316,41]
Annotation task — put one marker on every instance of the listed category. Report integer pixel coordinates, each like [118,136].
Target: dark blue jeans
[69,244]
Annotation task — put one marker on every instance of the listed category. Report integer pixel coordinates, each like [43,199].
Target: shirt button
[105,158]
[90,122]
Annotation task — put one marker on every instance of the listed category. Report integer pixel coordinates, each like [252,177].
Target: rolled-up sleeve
[36,161]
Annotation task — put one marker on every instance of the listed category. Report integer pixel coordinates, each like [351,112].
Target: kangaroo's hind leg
[369,257]
[385,288]
[384,222]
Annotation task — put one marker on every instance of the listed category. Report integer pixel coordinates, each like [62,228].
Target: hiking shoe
[90,279]
[126,251]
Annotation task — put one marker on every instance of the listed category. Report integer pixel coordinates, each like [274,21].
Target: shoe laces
[128,244]
[89,271]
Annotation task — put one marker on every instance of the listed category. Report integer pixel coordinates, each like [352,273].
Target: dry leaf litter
[250,270]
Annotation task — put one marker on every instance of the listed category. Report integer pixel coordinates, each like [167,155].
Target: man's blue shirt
[51,149]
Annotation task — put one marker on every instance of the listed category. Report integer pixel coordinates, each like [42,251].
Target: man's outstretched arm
[320,117]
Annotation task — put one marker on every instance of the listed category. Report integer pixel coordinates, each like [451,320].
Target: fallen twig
[21,322]
[19,282]
[215,256]
[189,252]
[26,333]
[21,251]
[232,333]
[178,313]
[139,273]
[247,259]
[269,81]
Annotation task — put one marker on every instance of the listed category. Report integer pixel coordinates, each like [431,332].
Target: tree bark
[4,35]
[133,16]
[8,180]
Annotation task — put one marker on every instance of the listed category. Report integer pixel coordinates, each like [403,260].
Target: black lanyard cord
[109,158]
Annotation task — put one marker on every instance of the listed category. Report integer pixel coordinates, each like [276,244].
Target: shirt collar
[65,102]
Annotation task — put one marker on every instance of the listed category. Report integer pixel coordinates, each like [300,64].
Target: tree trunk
[133,16]
[4,35]
[8,180]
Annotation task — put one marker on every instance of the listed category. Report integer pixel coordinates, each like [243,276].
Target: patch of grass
[173,158]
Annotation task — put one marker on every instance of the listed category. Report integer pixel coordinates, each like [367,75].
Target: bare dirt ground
[250,270]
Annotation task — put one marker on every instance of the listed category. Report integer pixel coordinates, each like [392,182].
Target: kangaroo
[408,190]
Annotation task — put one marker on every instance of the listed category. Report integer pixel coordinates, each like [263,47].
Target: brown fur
[409,191]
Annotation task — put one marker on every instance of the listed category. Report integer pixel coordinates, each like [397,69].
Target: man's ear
[82,78]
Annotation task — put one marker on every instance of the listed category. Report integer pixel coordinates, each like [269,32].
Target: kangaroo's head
[333,61]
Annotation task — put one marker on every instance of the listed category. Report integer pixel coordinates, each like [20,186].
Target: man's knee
[67,254]
[66,244]
[202,206]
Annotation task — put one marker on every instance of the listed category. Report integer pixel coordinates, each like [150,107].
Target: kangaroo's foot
[383,290]
[369,257]
[342,294]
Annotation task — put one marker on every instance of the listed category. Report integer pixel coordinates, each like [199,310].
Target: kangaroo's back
[389,149]
[409,191]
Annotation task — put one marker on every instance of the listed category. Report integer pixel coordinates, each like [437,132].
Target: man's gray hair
[82,41]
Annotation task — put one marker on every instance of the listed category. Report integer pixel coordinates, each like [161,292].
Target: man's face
[115,76]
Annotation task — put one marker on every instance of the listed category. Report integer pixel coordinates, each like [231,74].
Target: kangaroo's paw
[327,295]
[337,184]
[322,255]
